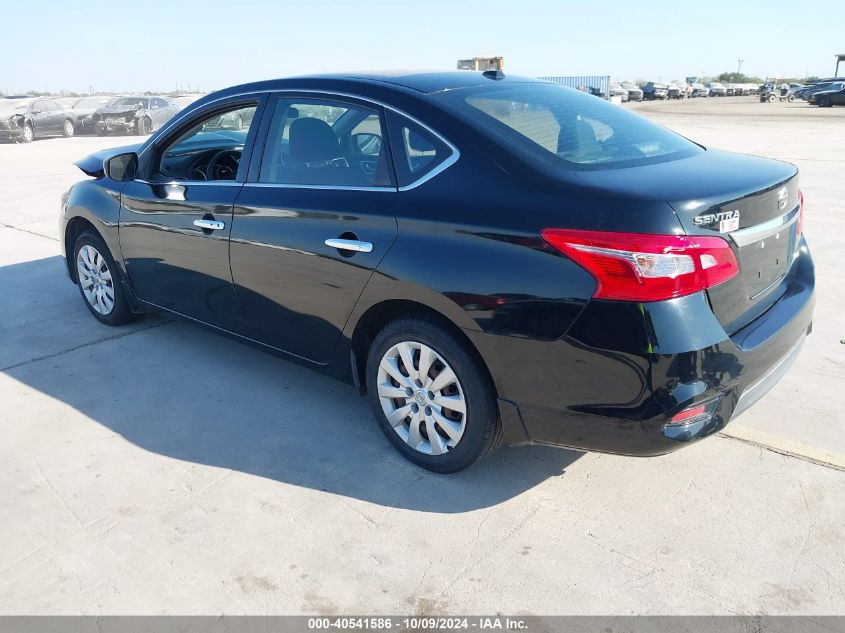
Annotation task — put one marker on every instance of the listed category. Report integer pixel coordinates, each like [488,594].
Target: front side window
[565,127]
[209,149]
[325,143]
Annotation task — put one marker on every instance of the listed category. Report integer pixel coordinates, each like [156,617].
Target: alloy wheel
[422,398]
[28,134]
[68,128]
[95,279]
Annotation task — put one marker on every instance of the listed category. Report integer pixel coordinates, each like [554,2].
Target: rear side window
[565,127]
[418,152]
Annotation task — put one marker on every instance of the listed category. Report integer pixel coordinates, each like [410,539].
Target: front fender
[98,203]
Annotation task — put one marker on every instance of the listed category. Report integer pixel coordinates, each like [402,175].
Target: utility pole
[739,66]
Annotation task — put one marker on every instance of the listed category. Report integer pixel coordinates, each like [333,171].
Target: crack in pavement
[84,345]
[17,228]
[788,448]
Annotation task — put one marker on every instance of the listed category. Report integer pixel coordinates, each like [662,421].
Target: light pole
[739,66]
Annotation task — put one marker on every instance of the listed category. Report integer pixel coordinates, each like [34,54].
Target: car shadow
[182,392]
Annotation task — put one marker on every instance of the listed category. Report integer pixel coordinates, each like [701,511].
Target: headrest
[312,140]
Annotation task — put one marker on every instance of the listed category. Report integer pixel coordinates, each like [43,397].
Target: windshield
[565,127]
[130,101]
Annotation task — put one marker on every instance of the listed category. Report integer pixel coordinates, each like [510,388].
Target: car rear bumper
[623,370]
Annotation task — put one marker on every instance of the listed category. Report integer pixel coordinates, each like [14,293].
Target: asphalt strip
[785,446]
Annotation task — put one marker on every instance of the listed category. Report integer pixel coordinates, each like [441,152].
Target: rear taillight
[687,424]
[643,267]
[800,229]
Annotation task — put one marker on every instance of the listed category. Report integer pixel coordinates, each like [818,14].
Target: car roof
[421,81]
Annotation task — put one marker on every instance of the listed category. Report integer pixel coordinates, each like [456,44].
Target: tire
[473,434]
[825,102]
[772,98]
[68,129]
[99,131]
[91,255]
[790,98]
[143,127]
[28,133]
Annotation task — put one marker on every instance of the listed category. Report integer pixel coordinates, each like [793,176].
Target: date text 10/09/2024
[418,624]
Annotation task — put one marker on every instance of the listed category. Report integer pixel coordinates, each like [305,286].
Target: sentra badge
[728,220]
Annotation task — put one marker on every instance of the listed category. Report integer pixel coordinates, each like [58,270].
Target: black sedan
[835,95]
[134,115]
[491,259]
[84,110]
[24,120]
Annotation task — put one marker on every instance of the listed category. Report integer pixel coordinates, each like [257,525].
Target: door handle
[209,225]
[350,245]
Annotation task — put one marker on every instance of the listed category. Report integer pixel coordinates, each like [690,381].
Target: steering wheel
[224,165]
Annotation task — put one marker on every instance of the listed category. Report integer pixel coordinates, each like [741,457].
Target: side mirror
[121,167]
[368,144]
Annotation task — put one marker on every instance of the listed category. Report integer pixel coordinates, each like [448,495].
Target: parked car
[139,115]
[635,93]
[234,120]
[12,113]
[833,95]
[674,91]
[828,80]
[27,119]
[616,90]
[715,89]
[652,91]
[807,93]
[84,110]
[698,90]
[505,260]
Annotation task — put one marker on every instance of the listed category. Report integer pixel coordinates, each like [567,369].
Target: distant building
[482,63]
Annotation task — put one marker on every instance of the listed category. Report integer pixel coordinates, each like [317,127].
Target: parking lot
[159,468]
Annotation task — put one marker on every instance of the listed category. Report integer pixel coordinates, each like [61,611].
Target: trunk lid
[752,202]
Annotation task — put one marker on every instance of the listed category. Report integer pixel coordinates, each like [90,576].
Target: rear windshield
[565,127]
